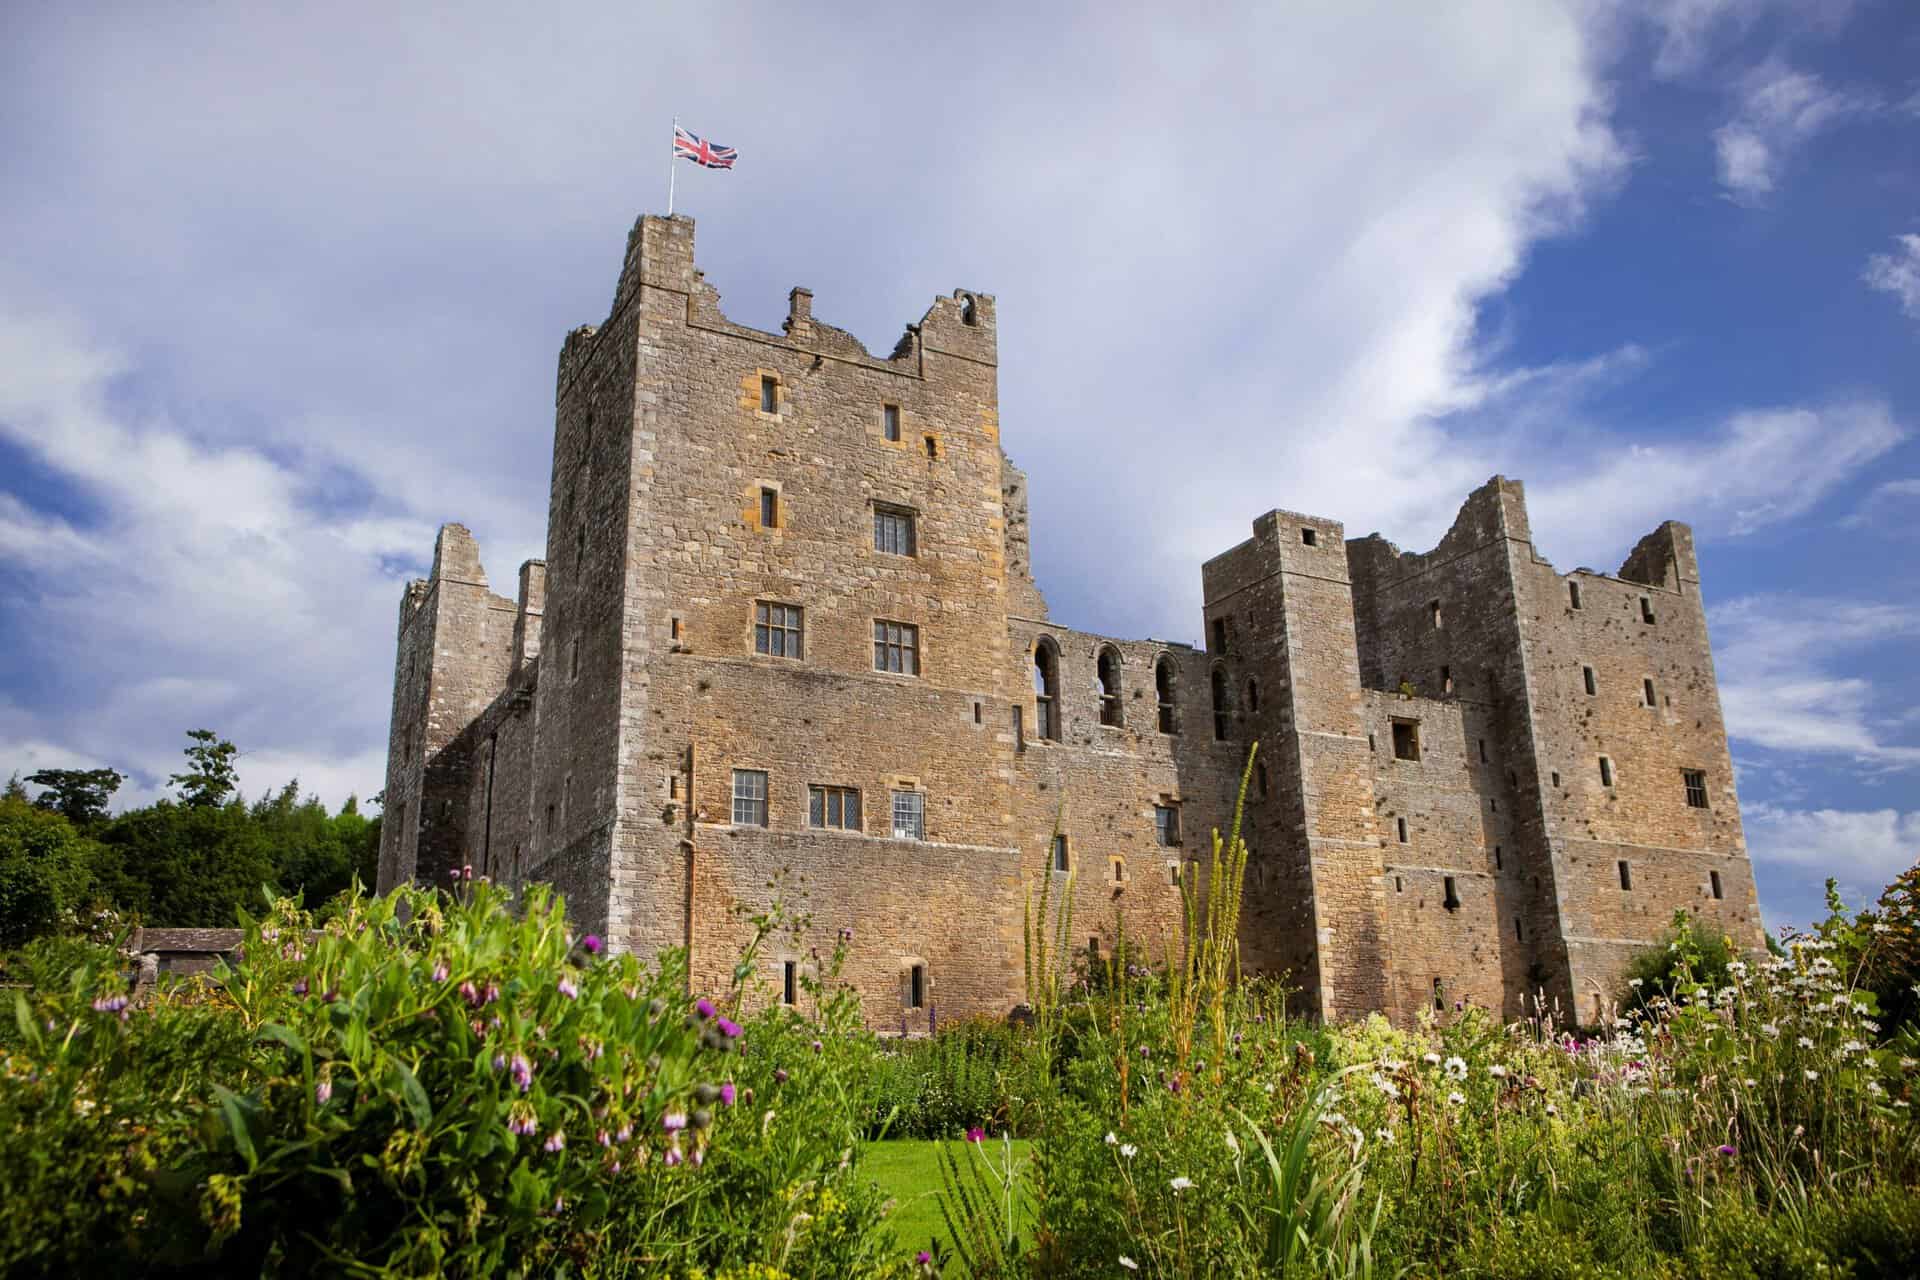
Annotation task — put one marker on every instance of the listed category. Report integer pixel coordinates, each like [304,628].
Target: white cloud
[1776,655]
[1690,31]
[1898,273]
[1883,508]
[1863,847]
[1779,111]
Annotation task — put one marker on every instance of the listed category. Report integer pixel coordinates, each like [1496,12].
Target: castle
[786,620]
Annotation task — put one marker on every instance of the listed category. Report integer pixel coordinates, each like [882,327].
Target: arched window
[1220,713]
[1253,696]
[1107,676]
[1163,691]
[1046,690]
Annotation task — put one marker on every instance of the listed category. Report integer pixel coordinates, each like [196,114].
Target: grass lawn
[908,1170]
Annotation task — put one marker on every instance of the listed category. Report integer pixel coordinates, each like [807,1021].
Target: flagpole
[673,170]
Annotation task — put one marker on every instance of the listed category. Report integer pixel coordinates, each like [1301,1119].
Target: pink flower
[567,989]
[704,1007]
[440,970]
[556,1141]
[727,1093]
[591,943]
[976,1134]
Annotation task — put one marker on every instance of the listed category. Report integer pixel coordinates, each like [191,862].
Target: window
[749,798]
[933,449]
[1646,610]
[1406,740]
[1400,825]
[1119,866]
[1606,772]
[673,627]
[1307,537]
[1221,716]
[890,421]
[1518,934]
[1253,697]
[1260,778]
[979,711]
[769,393]
[1696,781]
[1399,885]
[1556,777]
[776,629]
[769,508]
[1019,728]
[1107,676]
[1626,875]
[909,815]
[1163,693]
[551,809]
[1499,859]
[1093,947]
[1439,995]
[917,987]
[1061,860]
[967,316]
[835,807]
[789,981]
[1166,824]
[1573,594]
[1483,751]
[893,531]
[1046,690]
[1593,684]
[1646,689]
[1434,616]
[896,647]
[1713,880]
[1173,873]
[1452,900]
[1219,635]
[1446,679]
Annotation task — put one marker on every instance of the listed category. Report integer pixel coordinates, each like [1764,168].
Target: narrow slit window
[769,508]
[1107,676]
[1573,594]
[1400,826]
[1646,688]
[1556,777]
[1439,995]
[933,448]
[1019,728]
[769,394]
[1591,682]
[1519,934]
[1434,615]
[1222,718]
[1446,679]
[1606,772]
[1253,697]
[1646,610]
[890,421]
[1260,778]
[1372,746]
[1696,783]
[1119,867]
[1219,635]
[1626,874]
[979,711]
[789,982]
[1483,751]
[1062,860]
[1452,900]
[1713,880]
[1163,694]
[1399,885]
[1499,859]
[917,987]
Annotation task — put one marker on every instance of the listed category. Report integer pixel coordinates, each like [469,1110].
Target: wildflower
[1181,1183]
[556,1141]
[1635,983]
[1873,1087]
[323,1091]
[1431,1059]
[704,1007]
[591,944]
[1805,1043]
[780,1073]
[1144,1051]
[440,971]
[470,993]
[1812,1074]
[1773,1032]
[1385,1085]
[1552,1110]
[728,1029]
[1384,1135]
[566,988]
[300,987]
[1497,1071]
[111,1004]
[674,1121]
[1853,1046]
[816,1046]
[1129,1263]
[923,1258]
[499,1062]
[1111,1140]
[976,1134]
[522,1071]
[1457,1068]
[1727,1150]
[727,1093]
[673,1155]
[1456,1098]
[521,1120]
[1128,1150]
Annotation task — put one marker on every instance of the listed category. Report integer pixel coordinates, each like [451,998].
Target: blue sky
[282,291]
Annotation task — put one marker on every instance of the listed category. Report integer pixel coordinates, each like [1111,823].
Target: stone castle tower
[786,621]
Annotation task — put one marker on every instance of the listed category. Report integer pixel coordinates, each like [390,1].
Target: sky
[283,288]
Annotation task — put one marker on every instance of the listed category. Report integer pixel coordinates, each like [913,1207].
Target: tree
[80,795]
[209,779]
[43,871]
[183,865]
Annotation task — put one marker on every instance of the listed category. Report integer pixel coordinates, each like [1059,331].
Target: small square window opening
[777,629]
[896,647]
[1308,537]
[1406,740]
[893,531]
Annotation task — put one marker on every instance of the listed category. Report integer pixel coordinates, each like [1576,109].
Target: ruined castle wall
[1673,850]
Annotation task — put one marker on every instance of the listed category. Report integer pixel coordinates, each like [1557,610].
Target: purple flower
[111,1004]
[674,1121]
[704,1007]
[1144,1051]
[727,1093]
[491,994]
[521,1120]
[591,943]
[453,873]
[816,1046]
[846,935]
[604,1138]
[923,1257]
[567,989]
[673,1155]
[729,1029]
[440,970]
[556,1141]
[699,1156]
[333,993]
[976,1134]
[624,1132]
[522,1072]
[470,993]
[323,1091]
[499,1062]
[1727,1150]
[300,987]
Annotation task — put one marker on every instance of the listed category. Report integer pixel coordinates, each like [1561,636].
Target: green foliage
[80,796]
[210,778]
[44,876]
[1686,950]
[185,865]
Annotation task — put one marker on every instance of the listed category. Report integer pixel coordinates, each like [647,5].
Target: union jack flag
[707,155]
